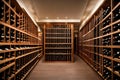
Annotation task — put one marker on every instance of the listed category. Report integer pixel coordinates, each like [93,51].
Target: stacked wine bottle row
[19,42]
[58,42]
[100,40]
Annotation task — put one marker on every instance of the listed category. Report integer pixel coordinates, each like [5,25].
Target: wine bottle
[1,16]
[107,52]
[115,2]
[12,21]
[116,15]
[108,64]
[116,42]
[116,77]
[117,67]
[116,53]
[107,74]
[116,37]
[108,10]
[1,8]
[108,21]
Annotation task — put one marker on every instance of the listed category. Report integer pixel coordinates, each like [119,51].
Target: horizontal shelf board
[116,22]
[58,48]
[108,57]
[107,46]
[116,59]
[25,65]
[102,36]
[116,6]
[88,32]
[20,43]
[12,76]
[11,8]
[105,17]
[29,71]
[17,29]
[7,60]
[68,61]
[59,43]
[117,73]
[27,54]
[97,25]
[110,69]
[58,37]
[57,33]
[99,73]
[58,28]
[105,27]
[6,67]
[57,53]
[10,50]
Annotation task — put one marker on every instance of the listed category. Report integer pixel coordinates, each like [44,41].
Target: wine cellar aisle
[42,40]
[78,70]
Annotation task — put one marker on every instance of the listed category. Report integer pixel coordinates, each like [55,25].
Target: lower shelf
[58,57]
[17,68]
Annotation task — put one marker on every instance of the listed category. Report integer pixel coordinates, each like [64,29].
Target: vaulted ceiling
[59,10]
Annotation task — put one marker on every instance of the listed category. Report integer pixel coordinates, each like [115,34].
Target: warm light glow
[66,17]
[22,5]
[95,8]
[59,20]
[57,17]
[46,17]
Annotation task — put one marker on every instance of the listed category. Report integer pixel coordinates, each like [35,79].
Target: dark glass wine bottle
[115,2]
[115,77]
[117,67]
[116,27]
[116,53]
[116,15]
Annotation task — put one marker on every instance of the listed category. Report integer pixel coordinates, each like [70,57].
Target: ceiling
[58,10]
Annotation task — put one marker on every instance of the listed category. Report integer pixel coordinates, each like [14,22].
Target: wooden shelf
[58,38]
[10,50]
[6,60]
[58,53]
[20,45]
[58,42]
[29,71]
[18,30]
[11,8]
[99,40]
[27,54]
[26,65]
[58,48]
[6,67]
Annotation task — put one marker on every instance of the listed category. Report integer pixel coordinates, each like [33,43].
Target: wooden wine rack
[58,42]
[20,47]
[99,43]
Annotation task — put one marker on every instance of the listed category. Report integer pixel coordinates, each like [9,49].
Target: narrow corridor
[78,70]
